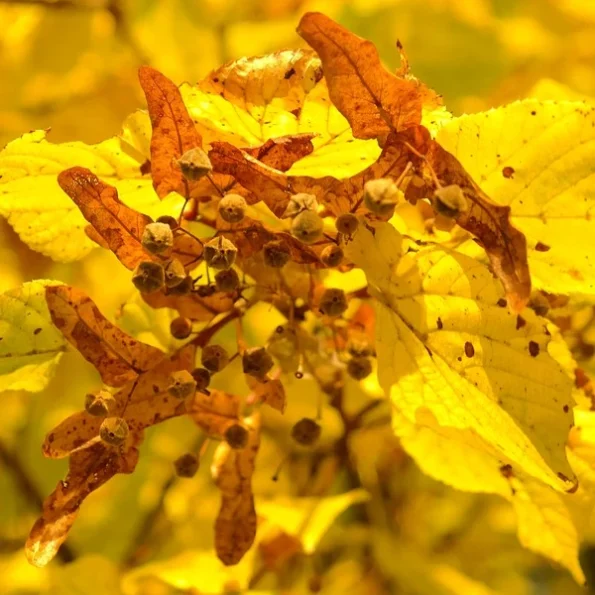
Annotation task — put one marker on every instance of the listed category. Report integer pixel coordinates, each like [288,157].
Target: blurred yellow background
[71,66]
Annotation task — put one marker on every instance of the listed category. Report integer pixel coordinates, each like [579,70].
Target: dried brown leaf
[269,391]
[374,101]
[89,469]
[119,227]
[192,306]
[117,356]
[174,132]
[282,152]
[235,527]
[214,412]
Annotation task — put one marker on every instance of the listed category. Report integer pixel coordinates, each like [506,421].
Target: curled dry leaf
[192,305]
[174,132]
[115,226]
[282,152]
[215,412]
[490,223]
[375,101]
[89,469]
[232,470]
[269,391]
[117,356]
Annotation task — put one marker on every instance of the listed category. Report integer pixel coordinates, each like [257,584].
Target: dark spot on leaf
[541,247]
[533,348]
[145,168]
[506,471]
[37,331]
[520,322]
[439,324]
[566,408]
[508,172]
[469,349]
[533,113]
[289,73]
[502,303]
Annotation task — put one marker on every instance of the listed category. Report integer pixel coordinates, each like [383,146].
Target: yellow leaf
[309,518]
[42,214]
[546,525]
[30,346]
[452,356]
[537,157]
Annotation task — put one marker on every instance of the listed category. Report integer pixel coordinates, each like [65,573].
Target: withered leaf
[490,223]
[253,83]
[115,226]
[282,152]
[117,356]
[214,412]
[235,527]
[89,469]
[174,132]
[264,182]
[374,101]
[192,305]
[142,402]
[269,391]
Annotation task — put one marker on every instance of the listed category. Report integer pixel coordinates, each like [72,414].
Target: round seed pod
[450,201]
[157,238]
[202,377]
[332,256]
[306,431]
[276,254]
[168,220]
[298,203]
[539,303]
[148,277]
[227,280]
[214,358]
[195,164]
[220,253]
[184,288]
[186,465]
[347,224]
[359,367]
[182,384]
[333,302]
[99,404]
[257,362]
[307,227]
[174,273]
[236,436]
[381,196]
[180,327]
[113,431]
[232,208]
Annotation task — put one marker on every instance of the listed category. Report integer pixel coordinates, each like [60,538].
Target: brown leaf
[119,227]
[269,391]
[174,132]
[374,101]
[215,412]
[490,223]
[192,305]
[264,182]
[253,83]
[117,356]
[235,527]
[89,469]
[282,152]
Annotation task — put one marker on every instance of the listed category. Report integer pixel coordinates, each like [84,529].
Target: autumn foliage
[480,385]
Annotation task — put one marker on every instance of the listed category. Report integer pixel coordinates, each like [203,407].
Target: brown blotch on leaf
[439,323]
[502,303]
[520,322]
[469,349]
[541,247]
[566,408]
[508,172]
[507,471]
[533,348]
